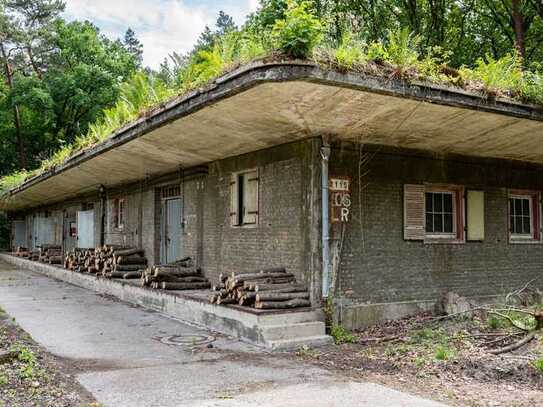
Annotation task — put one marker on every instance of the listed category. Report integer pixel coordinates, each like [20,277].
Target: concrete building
[391,193]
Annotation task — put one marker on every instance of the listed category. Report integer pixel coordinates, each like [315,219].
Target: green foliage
[299,31]
[503,74]
[3,380]
[443,352]
[401,48]
[342,335]
[538,365]
[349,53]
[495,322]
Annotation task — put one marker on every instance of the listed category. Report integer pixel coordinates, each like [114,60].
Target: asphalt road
[128,356]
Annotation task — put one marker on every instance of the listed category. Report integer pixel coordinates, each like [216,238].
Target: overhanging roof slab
[266,105]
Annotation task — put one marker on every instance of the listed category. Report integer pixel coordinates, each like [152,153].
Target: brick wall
[278,239]
[379,266]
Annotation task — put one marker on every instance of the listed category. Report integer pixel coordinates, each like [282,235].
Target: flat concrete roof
[266,104]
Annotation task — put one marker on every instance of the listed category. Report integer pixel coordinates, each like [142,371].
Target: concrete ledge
[232,321]
[364,315]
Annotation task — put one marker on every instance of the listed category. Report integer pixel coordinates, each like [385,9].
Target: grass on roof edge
[397,59]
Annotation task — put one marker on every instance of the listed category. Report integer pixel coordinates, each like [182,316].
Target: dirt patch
[447,361]
[34,377]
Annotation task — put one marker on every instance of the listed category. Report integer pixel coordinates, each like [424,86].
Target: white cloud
[163,26]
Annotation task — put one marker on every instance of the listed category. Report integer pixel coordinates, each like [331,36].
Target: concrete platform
[275,329]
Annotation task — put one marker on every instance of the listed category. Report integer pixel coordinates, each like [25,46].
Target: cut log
[129,252]
[132,275]
[295,303]
[258,287]
[128,267]
[184,286]
[129,260]
[271,296]
[164,272]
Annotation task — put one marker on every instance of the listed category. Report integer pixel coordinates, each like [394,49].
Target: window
[119,212]
[439,213]
[434,213]
[244,198]
[524,215]
[520,213]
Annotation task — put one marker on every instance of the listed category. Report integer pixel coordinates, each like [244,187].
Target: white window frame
[118,220]
[535,229]
[454,191]
[240,206]
[442,235]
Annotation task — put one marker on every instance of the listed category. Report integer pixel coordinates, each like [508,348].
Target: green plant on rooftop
[298,31]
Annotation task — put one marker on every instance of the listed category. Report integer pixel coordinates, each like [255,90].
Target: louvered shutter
[250,198]
[414,216]
[234,200]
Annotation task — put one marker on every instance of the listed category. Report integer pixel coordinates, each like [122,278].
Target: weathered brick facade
[379,266]
[381,274]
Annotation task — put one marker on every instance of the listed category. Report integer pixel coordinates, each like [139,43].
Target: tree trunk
[518,27]
[16,113]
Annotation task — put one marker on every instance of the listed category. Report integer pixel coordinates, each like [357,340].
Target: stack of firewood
[179,275]
[76,258]
[272,288]
[22,252]
[50,253]
[34,255]
[114,261]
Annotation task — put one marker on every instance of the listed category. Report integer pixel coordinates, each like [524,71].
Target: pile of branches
[50,253]
[22,252]
[179,275]
[79,259]
[271,288]
[525,321]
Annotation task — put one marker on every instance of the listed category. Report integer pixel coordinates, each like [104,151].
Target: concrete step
[291,317]
[295,343]
[293,331]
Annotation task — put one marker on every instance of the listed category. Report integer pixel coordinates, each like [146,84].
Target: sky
[163,26]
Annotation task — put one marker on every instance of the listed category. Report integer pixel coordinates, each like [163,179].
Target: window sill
[442,240]
[523,240]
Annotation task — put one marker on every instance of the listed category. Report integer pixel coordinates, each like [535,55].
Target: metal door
[171,231]
[43,231]
[70,231]
[19,233]
[85,229]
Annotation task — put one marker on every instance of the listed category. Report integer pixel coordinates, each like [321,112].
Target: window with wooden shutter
[244,195]
[414,218]
[250,198]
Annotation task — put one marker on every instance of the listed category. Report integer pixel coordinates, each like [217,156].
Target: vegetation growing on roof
[298,29]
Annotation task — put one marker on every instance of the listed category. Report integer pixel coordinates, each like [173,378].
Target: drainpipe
[103,198]
[325,156]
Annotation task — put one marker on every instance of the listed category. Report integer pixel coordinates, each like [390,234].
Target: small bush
[299,31]
[349,53]
[538,365]
[342,335]
[443,352]
[497,75]
[401,48]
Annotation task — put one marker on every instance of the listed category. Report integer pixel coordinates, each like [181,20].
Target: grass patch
[342,335]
